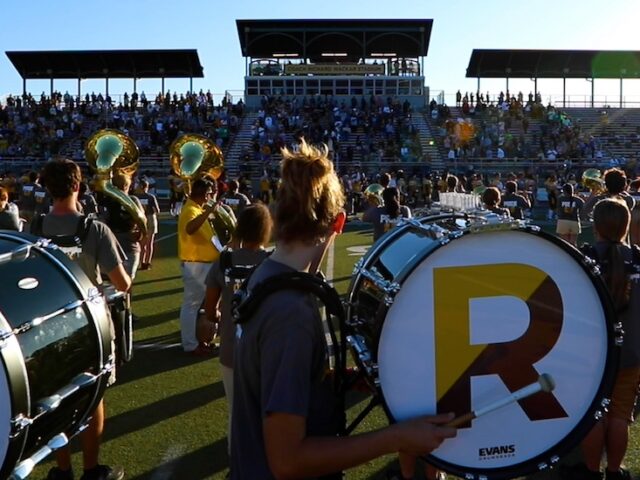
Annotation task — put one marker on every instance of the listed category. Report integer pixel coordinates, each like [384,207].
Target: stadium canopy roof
[339,40]
[554,64]
[107,64]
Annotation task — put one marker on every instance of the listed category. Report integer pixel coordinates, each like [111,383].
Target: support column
[79,88]
[135,84]
[507,87]
[620,92]
[24,87]
[564,90]
[593,82]
[162,86]
[51,87]
[478,90]
[106,88]
[191,85]
[535,88]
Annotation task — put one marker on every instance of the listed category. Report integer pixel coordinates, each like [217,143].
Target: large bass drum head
[484,316]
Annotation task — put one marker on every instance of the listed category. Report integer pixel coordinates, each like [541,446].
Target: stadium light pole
[106,81]
[161,70]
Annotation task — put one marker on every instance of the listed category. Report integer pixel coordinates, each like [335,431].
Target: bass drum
[55,344]
[452,313]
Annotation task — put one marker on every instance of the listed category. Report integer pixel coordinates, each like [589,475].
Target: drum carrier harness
[119,310]
[245,303]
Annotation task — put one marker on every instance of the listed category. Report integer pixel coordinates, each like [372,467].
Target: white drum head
[463,309]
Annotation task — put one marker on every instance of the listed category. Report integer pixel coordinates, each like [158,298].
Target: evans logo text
[502,451]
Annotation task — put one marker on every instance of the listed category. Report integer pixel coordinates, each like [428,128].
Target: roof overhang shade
[334,40]
[107,64]
[554,64]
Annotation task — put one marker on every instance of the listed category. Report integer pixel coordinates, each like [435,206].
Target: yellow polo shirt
[196,247]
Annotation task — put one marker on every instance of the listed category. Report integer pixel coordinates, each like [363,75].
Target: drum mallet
[545,383]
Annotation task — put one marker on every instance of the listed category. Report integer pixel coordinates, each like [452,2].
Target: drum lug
[389,288]
[619,331]
[356,342]
[19,424]
[543,466]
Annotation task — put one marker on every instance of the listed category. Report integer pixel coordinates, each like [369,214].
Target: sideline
[165,237]
[330,262]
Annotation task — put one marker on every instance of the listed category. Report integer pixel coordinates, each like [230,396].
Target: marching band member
[9,215]
[285,410]
[196,252]
[386,217]
[491,200]
[569,207]
[151,208]
[100,254]
[235,200]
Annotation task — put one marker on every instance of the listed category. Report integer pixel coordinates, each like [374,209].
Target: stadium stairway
[242,141]
[428,141]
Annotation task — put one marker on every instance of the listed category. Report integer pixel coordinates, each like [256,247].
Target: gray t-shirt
[280,361]
[10,217]
[100,250]
[229,284]
[382,221]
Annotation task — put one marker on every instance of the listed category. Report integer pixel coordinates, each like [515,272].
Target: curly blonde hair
[310,196]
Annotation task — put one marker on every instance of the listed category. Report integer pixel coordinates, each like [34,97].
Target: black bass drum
[454,313]
[55,344]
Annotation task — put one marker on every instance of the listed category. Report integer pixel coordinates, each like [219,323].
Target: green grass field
[166,415]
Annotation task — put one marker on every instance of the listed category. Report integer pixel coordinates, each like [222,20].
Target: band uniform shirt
[217,279]
[149,204]
[516,204]
[280,361]
[198,246]
[89,204]
[381,220]
[101,252]
[27,197]
[42,201]
[569,208]
[236,201]
[591,202]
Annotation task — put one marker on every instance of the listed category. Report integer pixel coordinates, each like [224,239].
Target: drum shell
[369,303]
[42,360]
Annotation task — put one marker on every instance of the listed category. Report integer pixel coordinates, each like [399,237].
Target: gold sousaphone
[592,179]
[373,194]
[193,156]
[110,152]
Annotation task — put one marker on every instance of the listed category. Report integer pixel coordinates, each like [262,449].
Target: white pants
[227,382]
[194,275]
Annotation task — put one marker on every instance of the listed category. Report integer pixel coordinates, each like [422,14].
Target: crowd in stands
[362,129]
[42,128]
[507,126]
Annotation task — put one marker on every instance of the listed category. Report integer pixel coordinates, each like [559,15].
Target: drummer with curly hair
[286,413]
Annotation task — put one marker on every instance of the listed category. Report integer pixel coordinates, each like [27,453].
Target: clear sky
[209,26]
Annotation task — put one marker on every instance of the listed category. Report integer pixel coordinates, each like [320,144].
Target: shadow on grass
[169,407]
[154,280]
[148,362]
[157,293]
[201,463]
[156,319]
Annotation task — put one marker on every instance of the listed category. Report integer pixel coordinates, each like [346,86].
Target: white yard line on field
[165,237]
[330,262]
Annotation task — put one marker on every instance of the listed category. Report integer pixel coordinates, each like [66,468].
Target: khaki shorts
[567,227]
[623,398]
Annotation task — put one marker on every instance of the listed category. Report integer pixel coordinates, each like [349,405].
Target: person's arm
[369,214]
[291,454]
[119,278]
[211,300]
[195,223]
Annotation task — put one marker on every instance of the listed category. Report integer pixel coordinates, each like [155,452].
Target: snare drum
[453,313]
[55,345]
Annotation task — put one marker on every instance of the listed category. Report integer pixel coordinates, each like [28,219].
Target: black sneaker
[621,474]
[103,472]
[56,474]
[579,471]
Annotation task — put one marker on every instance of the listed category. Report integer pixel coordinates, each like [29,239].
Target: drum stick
[545,383]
